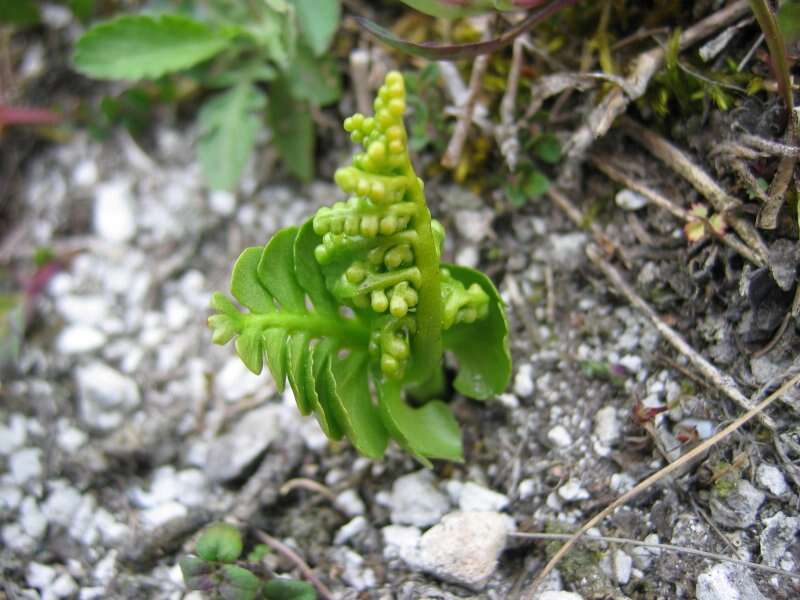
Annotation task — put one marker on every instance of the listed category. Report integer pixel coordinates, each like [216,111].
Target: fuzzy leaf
[548,149]
[314,79]
[429,431]
[220,542]
[293,131]
[144,47]
[289,589]
[485,367]
[228,126]
[318,20]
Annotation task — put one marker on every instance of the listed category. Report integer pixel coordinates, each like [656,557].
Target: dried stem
[452,155]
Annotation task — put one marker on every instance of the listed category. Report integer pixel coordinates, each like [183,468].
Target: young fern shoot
[355,308]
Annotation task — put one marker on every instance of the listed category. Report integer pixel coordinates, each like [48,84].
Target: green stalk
[777,51]
[427,345]
[347,330]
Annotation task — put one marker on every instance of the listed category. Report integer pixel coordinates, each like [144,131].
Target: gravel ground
[123,430]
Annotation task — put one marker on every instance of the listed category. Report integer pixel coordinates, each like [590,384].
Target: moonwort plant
[355,309]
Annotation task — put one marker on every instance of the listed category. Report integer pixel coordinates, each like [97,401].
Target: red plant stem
[22,115]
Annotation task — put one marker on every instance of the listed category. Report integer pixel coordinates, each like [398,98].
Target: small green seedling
[355,308]
[217,570]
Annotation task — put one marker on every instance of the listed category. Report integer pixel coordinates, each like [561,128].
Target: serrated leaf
[245,284]
[229,123]
[484,368]
[275,349]
[289,589]
[309,271]
[276,270]
[220,542]
[314,79]
[352,404]
[429,431]
[250,350]
[318,20]
[293,131]
[144,47]
[319,390]
[296,370]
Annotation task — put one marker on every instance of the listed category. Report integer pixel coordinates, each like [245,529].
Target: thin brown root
[295,558]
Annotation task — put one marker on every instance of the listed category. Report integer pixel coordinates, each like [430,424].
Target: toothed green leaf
[484,368]
[220,542]
[145,47]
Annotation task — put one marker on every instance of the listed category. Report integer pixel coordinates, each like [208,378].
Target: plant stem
[347,330]
[777,50]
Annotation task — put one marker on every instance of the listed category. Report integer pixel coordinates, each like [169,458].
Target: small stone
[354,573]
[559,436]
[231,454]
[349,530]
[85,174]
[770,478]
[572,491]
[10,498]
[401,542]
[222,202]
[177,314]
[63,587]
[14,538]
[156,517]
[739,507]
[13,435]
[778,534]
[474,225]
[83,310]
[415,500]
[114,215]
[105,395]
[558,595]
[629,200]
[31,519]
[631,362]
[523,381]
[25,465]
[607,427]
[528,488]
[726,581]
[235,382]
[70,439]
[472,497]
[468,256]
[565,251]
[617,565]
[350,503]
[188,486]
[80,339]
[464,547]
[62,504]
[40,576]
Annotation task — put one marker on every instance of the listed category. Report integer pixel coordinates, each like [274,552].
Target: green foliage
[789,20]
[21,13]
[217,571]
[531,182]
[220,542]
[355,309]
[257,55]
[455,10]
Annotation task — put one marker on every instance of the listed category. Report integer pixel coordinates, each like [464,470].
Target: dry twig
[665,547]
[679,162]
[452,155]
[528,594]
[295,558]
[646,65]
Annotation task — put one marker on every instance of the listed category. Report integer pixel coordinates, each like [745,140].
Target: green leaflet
[354,307]
[318,20]
[789,20]
[229,123]
[143,47]
[483,368]
[289,589]
[293,131]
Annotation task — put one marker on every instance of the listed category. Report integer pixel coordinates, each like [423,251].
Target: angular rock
[114,216]
[607,427]
[780,532]
[464,547]
[726,581]
[739,508]
[770,478]
[80,339]
[472,497]
[231,454]
[105,395]
[415,500]
[25,465]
